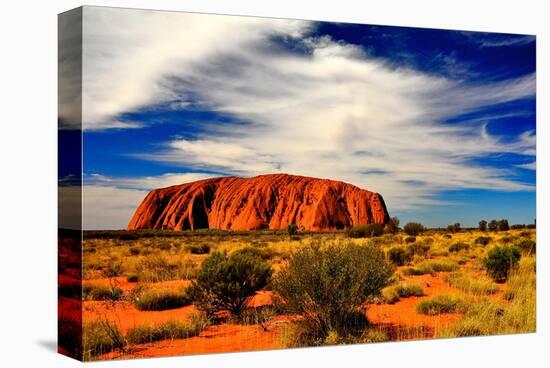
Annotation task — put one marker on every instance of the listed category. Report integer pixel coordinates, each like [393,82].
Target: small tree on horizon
[292,229]
[392,226]
[414,228]
[493,225]
[503,225]
[483,225]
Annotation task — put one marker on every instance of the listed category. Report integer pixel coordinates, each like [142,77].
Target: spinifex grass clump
[157,300]
[393,294]
[227,282]
[475,285]
[431,266]
[326,284]
[174,329]
[457,247]
[438,304]
[100,292]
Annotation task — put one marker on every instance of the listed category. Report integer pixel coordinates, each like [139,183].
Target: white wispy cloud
[108,207]
[330,112]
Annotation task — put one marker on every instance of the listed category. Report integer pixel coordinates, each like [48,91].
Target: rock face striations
[262,202]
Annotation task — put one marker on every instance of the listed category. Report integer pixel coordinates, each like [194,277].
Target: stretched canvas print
[233,183]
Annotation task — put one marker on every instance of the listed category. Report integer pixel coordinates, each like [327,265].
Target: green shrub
[414,228]
[527,246]
[483,240]
[366,231]
[168,330]
[472,285]
[438,304]
[457,247]
[392,294]
[292,229]
[325,284]
[399,256]
[228,282]
[157,300]
[100,337]
[419,248]
[198,248]
[100,292]
[500,260]
[132,278]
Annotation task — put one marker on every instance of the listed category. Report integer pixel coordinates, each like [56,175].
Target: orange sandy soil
[214,339]
[400,321]
[126,316]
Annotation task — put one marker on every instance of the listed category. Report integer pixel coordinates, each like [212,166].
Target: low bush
[457,247]
[438,304]
[132,278]
[483,240]
[410,239]
[414,228]
[198,248]
[419,248]
[168,330]
[292,229]
[134,251]
[394,293]
[157,300]
[473,285]
[500,260]
[100,292]
[326,284]
[227,282]
[527,246]
[399,256]
[366,231]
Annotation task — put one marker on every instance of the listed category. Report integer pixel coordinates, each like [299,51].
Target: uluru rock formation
[262,202]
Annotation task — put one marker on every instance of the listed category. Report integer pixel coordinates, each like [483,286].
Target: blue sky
[441,123]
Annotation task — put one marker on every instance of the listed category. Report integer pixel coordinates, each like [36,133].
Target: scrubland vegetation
[308,288]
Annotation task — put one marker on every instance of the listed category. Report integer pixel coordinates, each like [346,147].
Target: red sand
[402,315]
[214,339]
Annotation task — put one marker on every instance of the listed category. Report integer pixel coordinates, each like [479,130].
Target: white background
[28,139]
